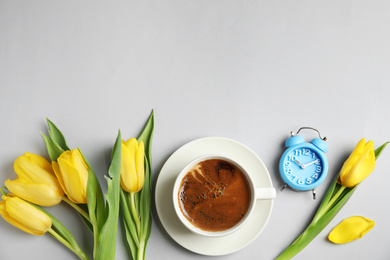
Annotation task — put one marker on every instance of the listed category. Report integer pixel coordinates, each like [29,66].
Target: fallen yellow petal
[350,229]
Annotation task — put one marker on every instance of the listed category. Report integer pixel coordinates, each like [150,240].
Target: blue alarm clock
[304,166]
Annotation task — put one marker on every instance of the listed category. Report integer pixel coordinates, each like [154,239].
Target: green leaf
[132,245]
[147,137]
[52,148]
[145,203]
[95,203]
[146,193]
[108,233]
[328,195]
[380,149]
[56,143]
[56,136]
[95,199]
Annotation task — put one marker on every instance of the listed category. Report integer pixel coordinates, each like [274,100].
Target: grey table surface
[251,71]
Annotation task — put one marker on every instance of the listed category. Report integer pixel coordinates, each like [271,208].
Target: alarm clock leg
[284,186]
[314,194]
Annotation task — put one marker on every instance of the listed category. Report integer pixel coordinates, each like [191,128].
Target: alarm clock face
[303,167]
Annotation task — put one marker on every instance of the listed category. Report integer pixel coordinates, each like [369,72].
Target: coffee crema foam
[214,195]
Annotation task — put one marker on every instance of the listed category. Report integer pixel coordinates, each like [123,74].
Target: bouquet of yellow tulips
[70,178]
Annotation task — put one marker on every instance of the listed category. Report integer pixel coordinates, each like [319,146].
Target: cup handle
[265,193]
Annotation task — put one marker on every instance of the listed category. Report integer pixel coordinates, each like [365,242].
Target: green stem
[135,214]
[78,252]
[95,239]
[299,243]
[141,250]
[329,204]
[76,207]
[128,218]
[322,219]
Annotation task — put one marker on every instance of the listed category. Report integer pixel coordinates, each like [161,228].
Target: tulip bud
[72,174]
[132,165]
[24,216]
[359,165]
[36,181]
[350,229]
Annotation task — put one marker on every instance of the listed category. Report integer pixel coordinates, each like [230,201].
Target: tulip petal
[58,174]
[362,167]
[33,171]
[77,161]
[72,173]
[132,143]
[125,157]
[74,183]
[66,155]
[38,160]
[24,216]
[359,165]
[36,169]
[40,194]
[9,219]
[350,229]
[128,169]
[354,156]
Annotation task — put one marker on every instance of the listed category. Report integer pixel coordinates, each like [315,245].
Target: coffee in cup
[214,195]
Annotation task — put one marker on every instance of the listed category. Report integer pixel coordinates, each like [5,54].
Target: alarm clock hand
[300,164]
[310,163]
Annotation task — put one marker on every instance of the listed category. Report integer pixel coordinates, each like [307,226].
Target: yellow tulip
[36,181]
[24,216]
[72,173]
[350,229]
[359,165]
[132,165]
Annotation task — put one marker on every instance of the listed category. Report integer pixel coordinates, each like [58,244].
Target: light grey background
[248,70]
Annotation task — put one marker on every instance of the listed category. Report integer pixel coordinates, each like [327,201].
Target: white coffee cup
[256,194]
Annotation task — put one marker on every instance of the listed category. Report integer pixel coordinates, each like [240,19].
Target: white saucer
[164,201]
